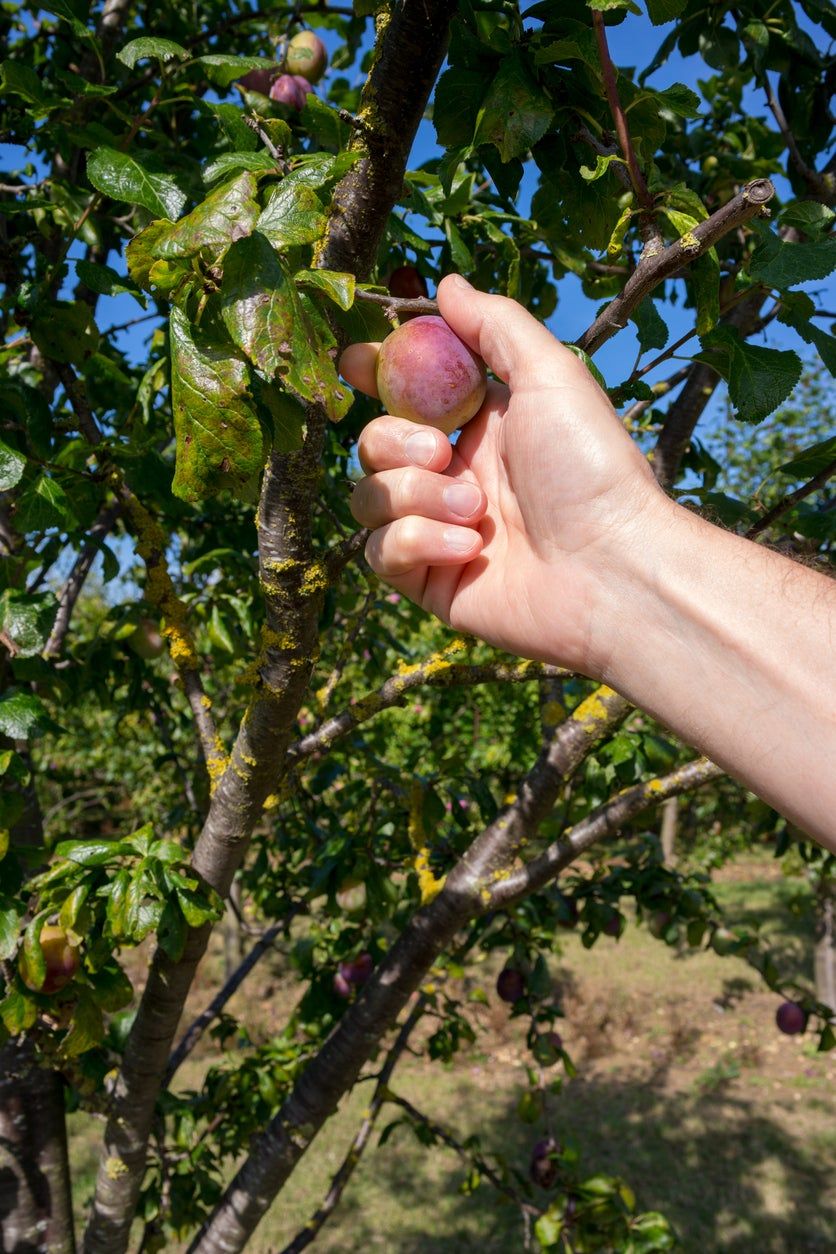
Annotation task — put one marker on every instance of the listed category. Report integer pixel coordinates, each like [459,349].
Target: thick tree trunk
[36,1212]
[35,1199]
[824,960]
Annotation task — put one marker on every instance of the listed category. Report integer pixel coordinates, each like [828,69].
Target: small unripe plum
[259,80]
[791,1018]
[286,91]
[723,941]
[145,640]
[306,55]
[407,282]
[546,1048]
[542,1168]
[510,985]
[427,374]
[61,961]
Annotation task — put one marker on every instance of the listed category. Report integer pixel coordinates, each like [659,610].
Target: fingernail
[457,540]
[461,281]
[420,448]
[462,499]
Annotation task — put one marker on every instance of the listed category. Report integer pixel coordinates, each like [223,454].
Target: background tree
[385,798]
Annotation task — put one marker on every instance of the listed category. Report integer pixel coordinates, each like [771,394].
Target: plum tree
[306,55]
[427,374]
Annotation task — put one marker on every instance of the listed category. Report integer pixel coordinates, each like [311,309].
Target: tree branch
[355,1151]
[608,71]
[603,821]
[75,582]
[653,269]
[436,671]
[781,507]
[466,1155]
[399,304]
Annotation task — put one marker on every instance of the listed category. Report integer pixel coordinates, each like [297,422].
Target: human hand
[526,532]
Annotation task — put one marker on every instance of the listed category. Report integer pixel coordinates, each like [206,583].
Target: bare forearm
[733,647]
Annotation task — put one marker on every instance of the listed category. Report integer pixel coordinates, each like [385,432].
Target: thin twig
[653,269]
[468,1156]
[75,582]
[787,502]
[618,116]
[399,304]
[812,178]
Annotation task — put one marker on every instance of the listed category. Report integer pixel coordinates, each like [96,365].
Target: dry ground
[685,1088]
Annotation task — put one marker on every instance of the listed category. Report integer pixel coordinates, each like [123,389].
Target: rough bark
[670,822]
[36,1212]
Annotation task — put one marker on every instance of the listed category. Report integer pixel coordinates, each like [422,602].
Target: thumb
[515,346]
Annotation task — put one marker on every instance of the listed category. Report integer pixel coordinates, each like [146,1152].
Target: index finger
[358,366]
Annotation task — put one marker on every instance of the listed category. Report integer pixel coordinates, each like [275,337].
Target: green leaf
[664,10]
[112,988]
[92,852]
[10,919]
[258,303]
[17,79]
[460,254]
[811,461]
[286,415]
[705,283]
[232,161]
[220,443]
[516,112]
[781,264]
[458,97]
[809,217]
[293,215]
[324,124]
[32,956]
[680,100]
[44,504]
[27,619]
[227,214]
[616,242]
[222,70]
[602,164]
[12,466]
[150,46]
[651,328]
[123,178]
[18,1011]
[759,379]
[23,716]
[337,286]
[65,331]
[171,932]
[590,365]
[87,1027]
[104,281]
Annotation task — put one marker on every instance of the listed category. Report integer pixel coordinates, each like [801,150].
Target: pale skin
[544,532]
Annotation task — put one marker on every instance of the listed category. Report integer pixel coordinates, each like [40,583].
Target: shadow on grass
[729,1180]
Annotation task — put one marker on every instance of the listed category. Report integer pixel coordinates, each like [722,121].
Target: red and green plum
[287,91]
[60,957]
[259,80]
[306,55]
[427,374]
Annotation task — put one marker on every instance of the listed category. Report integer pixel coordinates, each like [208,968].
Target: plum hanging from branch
[427,374]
